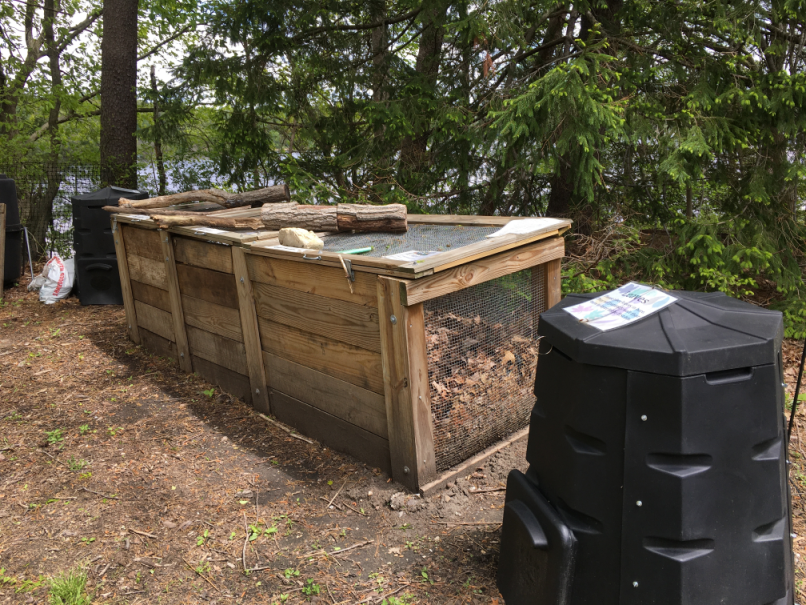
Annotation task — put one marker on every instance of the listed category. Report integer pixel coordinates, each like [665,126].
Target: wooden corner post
[3,248]
[251,332]
[177,313]
[125,281]
[406,390]
[552,273]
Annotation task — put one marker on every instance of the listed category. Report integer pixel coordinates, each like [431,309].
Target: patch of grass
[311,588]
[76,465]
[70,588]
[54,436]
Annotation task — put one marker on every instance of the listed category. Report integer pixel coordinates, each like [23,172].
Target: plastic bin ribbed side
[661,446]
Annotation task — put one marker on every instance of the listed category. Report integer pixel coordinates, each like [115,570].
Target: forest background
[672,132]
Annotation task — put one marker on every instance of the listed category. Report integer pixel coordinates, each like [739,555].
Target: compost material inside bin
[482,355]
[424,238]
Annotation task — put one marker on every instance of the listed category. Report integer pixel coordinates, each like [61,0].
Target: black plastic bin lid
[697,334]
[111,193]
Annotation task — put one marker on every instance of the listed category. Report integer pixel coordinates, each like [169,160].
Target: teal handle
[357,250]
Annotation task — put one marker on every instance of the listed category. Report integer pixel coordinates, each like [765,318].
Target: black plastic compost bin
[657,472]
[13,249]
[96,262]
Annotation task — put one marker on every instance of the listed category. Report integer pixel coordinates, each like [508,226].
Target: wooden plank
[203,254]
[482,270]
[148,271]
[158,345]
[213,318]
[222,351]
[383,265]
[332,318]
[3,248]
[331,431]
[125,282]
[357,406]
[314,279]
[469,465]
[151,295]
[407,392]
[212,286]
[251,332]
[346,362]
[142,242]
[462,219]
[227,380]
[155,320]
[177,314]
[552,273]
[487,247]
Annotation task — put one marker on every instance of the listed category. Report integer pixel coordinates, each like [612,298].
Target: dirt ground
[165,489]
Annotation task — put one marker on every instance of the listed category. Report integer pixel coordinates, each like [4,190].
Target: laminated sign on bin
[656,452]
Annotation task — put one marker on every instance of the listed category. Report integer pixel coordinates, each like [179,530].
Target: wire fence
[44,190]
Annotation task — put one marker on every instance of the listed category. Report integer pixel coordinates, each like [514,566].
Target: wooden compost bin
[413,367]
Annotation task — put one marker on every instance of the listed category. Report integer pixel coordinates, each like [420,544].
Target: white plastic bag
[58,277]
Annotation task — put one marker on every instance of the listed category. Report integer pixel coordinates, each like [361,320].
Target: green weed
[70,588]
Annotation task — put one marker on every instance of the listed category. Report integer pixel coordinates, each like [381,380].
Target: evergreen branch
[319,30]
[168,40]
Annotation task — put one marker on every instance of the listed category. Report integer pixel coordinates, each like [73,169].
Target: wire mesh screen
[424,238]
[44,190]
[482,355]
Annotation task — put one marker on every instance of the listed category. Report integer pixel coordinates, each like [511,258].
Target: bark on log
[158,212]
[267,195]
[366,218]
[218,222]
[312,218]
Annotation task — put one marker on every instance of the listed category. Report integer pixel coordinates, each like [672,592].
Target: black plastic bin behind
[13,249]
[660,447]
[92,225]
[97,275]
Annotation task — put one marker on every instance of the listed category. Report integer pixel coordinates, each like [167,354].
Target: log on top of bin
[266,195]
[343,217]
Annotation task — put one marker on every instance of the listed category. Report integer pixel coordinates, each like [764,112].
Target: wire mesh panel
[424,238]
[482,355]
[44,191]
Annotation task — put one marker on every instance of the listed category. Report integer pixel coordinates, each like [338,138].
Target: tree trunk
[377,12]
[413,153]
[689,202]
[562,191]
[157,135]
[119,94]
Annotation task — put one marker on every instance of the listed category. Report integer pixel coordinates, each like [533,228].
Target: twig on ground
[469,523]
[355,510]
[84,489]
[201,575]
[243,554]
[142,533]
[487,491]
[286,429]
[334,553]
[54,458]
[337,493]
[382,597]
[329,503]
